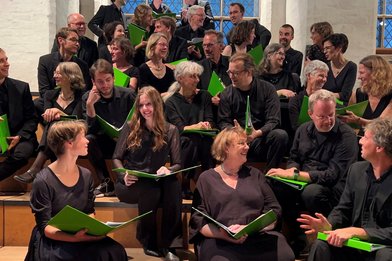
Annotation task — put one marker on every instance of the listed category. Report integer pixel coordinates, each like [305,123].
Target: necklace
[227,172]
[158,68]
[70,98]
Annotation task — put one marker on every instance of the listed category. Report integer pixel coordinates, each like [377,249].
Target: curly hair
[382,133]
[140,13]
[138,123]
[380,83]
[241,32]
[322,28]
[109,29]
[125,46]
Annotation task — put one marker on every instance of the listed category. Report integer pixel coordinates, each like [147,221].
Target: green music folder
[136,34]
[71,220]
[357,108]
[205,132]
[248,118]
[257,54]
[109,129]
[355,243]
[215,86]
[68,117]
[4,133]
[156,15]
[179,61]
[299,185]
[198,43]
[253,227]
[142,174]
[120,79]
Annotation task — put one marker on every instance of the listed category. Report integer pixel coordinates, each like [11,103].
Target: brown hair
[380,83]
[101,66]
[241,32]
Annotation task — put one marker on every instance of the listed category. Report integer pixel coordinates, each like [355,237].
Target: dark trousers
[150,195]
[322,251]
[17,158]
[270,148]
[100,147]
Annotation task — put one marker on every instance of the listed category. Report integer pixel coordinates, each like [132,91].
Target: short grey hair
[321,95]
[192,10]
[313,66]
[187,68]
[382,133]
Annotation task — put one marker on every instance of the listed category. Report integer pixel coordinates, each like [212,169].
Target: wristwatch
[296,174]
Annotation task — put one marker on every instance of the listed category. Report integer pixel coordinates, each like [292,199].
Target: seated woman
[375,74]
[234,195]
[342,73]
[142,17]
[63,101]
[154,72]
[315,77]
[145,144]
[111,31]
[189,108]
[318,32]
[65,183]
[122,56]
[241,38]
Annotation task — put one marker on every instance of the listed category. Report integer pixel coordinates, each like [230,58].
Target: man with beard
[293,60]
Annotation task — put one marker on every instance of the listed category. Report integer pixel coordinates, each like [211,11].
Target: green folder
[179,61]
[4,133]
[248,118]
[253,227]
[215,86]
[71,220]
[257,54]
[303,114]
[355,243]
[198,42]
[136,34]
[299,185]
[68,117]
[357,108]
[120,78]
[156,15]
[109,129]
[142,174]
[210,132]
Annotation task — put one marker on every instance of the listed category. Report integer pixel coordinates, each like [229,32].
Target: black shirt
[293,61]
[220,69]
[3,99]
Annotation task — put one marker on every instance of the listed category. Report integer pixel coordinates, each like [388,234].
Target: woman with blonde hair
[60,102]
[154,72]
[145,144]
[143,18]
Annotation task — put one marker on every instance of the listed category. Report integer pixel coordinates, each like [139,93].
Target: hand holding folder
[355,243]
[215,86]
[142,174]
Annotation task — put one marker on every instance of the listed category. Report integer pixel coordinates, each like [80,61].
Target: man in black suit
[16,102]
[88,50]
[106,14]
[68,42]
[364,210]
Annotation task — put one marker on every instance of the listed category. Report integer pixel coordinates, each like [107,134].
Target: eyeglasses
[323,117]
[235,74]
[280,53]
[209,45]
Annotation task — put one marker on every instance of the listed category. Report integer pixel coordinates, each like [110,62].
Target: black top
[187,33]
[144,158]
[178,49]
[326,156]
[264,106]
[148,78]
[3,99]
[133,72]
[382,105]
[263,35]
[163,8]
[114,110]
[104,53]
[344,81]
[182,113]
[314,52]
[74,108]
[220,69]
[294,105]
[283,80]
[208,21]
[293,61]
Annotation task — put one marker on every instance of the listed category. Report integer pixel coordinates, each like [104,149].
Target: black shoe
[151,252]
[105,189]
[26,177]
[170,254]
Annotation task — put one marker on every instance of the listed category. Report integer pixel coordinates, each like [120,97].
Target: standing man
[111,104]
[267,142]
[106,14]
[88,50]
[263,35]
[16,102]
[364,209]
[293,60]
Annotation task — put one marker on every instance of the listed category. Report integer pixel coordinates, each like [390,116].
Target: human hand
[339,236]
[227,237]
[82,236]
[253,135]
[13,141]
[287,93]
[93,96]
[349,117]
[52,114]
[130,179]
[312,225]
[215,100]
[283,173]
[163,170]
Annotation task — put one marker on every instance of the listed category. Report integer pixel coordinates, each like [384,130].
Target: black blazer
[21,114]
[178,49]
[220,70]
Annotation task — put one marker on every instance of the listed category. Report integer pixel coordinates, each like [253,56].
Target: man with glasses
[88,50]
[266,141]
[208,23]
[322,151]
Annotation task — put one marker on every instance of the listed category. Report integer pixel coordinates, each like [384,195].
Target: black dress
[148,78]
[48,196]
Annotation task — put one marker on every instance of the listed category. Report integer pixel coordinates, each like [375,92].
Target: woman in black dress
[111,31]
[144,145]
[65,183]
[241,39]
[234,195]
[63,101]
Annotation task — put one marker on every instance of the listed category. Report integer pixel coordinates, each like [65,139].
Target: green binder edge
[198,42]
[299,185]
[253,227]
[205,132]
[68,117]
[109,129]
[248,118]
[4,133]
[215,86]
[136,34]
[179,61]
[120,78]
[71,220]
[156,15]
[257,54]
[355,243]
[142,174]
